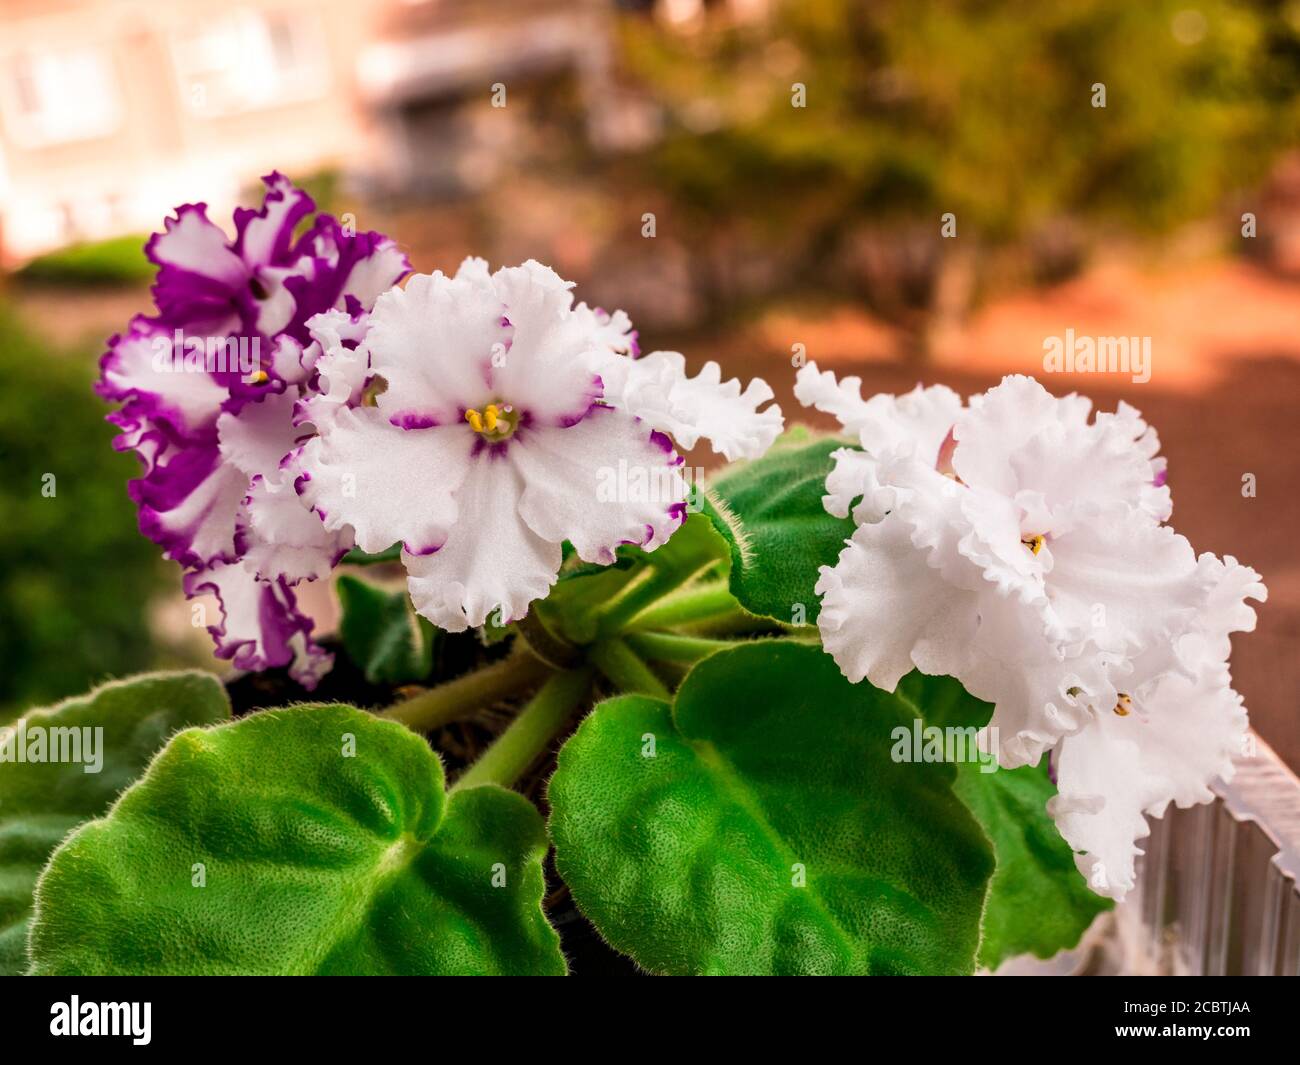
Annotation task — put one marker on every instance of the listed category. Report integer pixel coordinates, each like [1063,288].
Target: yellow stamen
[1034,543]
[475,420]
[490,417]
[1124,705]
[260,377]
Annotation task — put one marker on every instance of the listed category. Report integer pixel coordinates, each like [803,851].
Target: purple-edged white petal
[604,482]
[189,504]
[260,435]
[388,484]
[282,537]
[434,343]
[492,563]
[141,366]
[266,235]
[198,272]
[261,626]
[546,370]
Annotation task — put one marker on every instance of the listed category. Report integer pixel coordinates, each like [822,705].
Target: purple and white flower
[218,435]
[484,450]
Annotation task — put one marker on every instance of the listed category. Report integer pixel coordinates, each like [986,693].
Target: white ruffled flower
[1017,545]
[491,442]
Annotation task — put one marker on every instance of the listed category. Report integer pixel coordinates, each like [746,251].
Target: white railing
[1218,889]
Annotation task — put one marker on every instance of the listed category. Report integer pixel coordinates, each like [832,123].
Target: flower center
[495,422]
[1125,705]
[1034,543]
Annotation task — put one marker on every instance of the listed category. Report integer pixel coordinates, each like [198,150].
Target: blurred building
[113,111]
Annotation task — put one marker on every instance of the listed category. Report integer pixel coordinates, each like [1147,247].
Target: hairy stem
[687,606]
[529,734]
[672,647]
[459,698]
[626,669]
[648,588]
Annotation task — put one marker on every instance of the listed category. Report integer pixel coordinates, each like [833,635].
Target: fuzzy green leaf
[759,825]
[1038,902]
[771,513]
[382,634]
[41,802]
[316,839]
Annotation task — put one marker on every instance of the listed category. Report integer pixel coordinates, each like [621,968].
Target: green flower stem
[529,734]
[625,668]
[672,647]
[553,649]
[461,697]
[653,585]
[687,606]
[738,621]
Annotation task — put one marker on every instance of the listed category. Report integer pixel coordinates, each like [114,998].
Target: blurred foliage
[75,574]
[119,261]
[979,108]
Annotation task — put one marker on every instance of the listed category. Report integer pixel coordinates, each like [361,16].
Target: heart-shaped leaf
[316,839]
[1038,901]
[771,513]
[759,825]
[42,801]
[382,634]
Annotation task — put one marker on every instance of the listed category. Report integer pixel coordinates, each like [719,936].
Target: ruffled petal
[916,423]
[547,371]
[341,362]
[1040,689]
[885,610]
[1121,582]
[608,480]
[199,274]
[853,486]
[377,266]
[1119,770]
[434,342]
[1227,585]
[1066,465]
[657,390]
[189,505]
[613,331]
[266,235]
[842,399]
[388,484]
[261,626]
[998,423]
[281,537]
[260,435]
[141,366]
[490,561]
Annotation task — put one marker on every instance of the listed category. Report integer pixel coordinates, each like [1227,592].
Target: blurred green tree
[75,574]
[981,109]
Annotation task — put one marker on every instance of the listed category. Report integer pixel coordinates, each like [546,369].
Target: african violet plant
[786,667]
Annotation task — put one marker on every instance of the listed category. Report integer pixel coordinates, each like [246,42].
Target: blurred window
[249,60]
[57,96]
